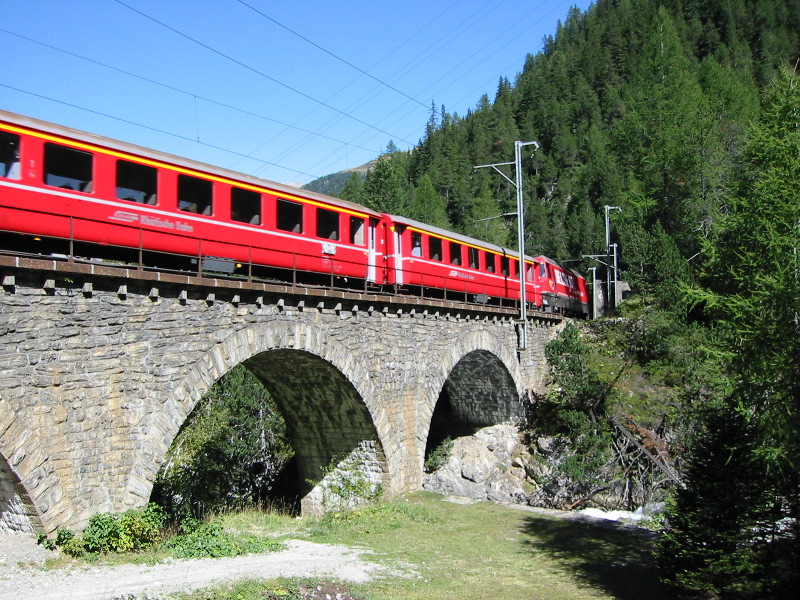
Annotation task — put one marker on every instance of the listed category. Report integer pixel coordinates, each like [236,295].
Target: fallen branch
[664,467]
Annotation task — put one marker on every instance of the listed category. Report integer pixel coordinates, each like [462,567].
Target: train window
[290,216]
[435,245]
[327,224]
[528,272]
[490,262]
[194,194]
[474,261]
[515,269]
[357,231]
[135,182]
[416,243]
[542,271]
[67,168]
[455,254]
[505,269]
[245,206]
[9,155]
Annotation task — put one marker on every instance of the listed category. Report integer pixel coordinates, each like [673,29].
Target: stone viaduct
[100,366]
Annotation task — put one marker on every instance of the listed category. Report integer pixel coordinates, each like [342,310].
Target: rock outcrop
[489,465]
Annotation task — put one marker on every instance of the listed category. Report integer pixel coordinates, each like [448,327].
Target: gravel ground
[21,577]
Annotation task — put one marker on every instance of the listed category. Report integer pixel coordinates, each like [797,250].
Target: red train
[67,192]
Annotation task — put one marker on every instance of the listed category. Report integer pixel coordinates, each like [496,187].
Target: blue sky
[287,91]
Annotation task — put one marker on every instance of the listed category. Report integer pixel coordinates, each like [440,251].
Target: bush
[206,540]
[132,531]
[439,456]
[210,540]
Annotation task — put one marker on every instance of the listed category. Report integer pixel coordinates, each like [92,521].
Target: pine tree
[706,544]
[754,277]
[427,205]
[353,189]
[386,186]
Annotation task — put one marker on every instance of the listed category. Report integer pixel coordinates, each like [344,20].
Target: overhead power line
[328,52]
[156,129]
[180,91]
[257,72]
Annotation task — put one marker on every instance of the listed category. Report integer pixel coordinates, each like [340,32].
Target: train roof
[110,143]
[457,236]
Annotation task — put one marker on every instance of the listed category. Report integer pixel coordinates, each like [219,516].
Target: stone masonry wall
[96,380]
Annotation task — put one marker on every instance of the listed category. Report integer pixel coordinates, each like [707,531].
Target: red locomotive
[98,198]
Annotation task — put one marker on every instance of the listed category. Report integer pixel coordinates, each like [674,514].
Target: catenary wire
[256,71]
[156,129]
[326,51]
[175,89]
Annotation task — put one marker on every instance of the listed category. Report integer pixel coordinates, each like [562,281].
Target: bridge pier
[96,380]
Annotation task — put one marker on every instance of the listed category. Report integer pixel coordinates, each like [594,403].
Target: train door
[398,256]
[372,251]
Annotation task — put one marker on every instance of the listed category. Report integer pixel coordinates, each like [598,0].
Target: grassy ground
[478,551]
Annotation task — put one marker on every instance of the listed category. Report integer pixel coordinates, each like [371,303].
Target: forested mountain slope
[642,104]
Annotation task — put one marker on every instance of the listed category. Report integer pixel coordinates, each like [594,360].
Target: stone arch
[261,347]
[31,493]
[482,377]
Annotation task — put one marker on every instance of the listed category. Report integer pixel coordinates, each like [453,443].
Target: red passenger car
[425,257]
[72,186]
[79,195]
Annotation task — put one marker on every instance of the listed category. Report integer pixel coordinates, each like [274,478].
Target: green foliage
[591,443]
[576,410]
[577,384]
[427,205]
[754,294]
[439,456]
[705,546]
[228,451]
[353,189]
[132,531]
[386,187]
[210,540]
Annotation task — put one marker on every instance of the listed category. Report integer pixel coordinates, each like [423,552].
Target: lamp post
[522,342]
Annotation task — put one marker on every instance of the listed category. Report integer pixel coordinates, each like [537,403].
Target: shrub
[210,540]
[131,531]
[439,456]
[206,540]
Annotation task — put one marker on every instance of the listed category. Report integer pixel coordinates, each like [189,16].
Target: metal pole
[594,292]
[610,260]
[523,312]
[523,309]
[521,241]
[616,299]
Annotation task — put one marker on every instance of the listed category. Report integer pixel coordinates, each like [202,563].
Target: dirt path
[299,559]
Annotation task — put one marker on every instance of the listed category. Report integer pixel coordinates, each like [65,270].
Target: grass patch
[486,551]
[443,550]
